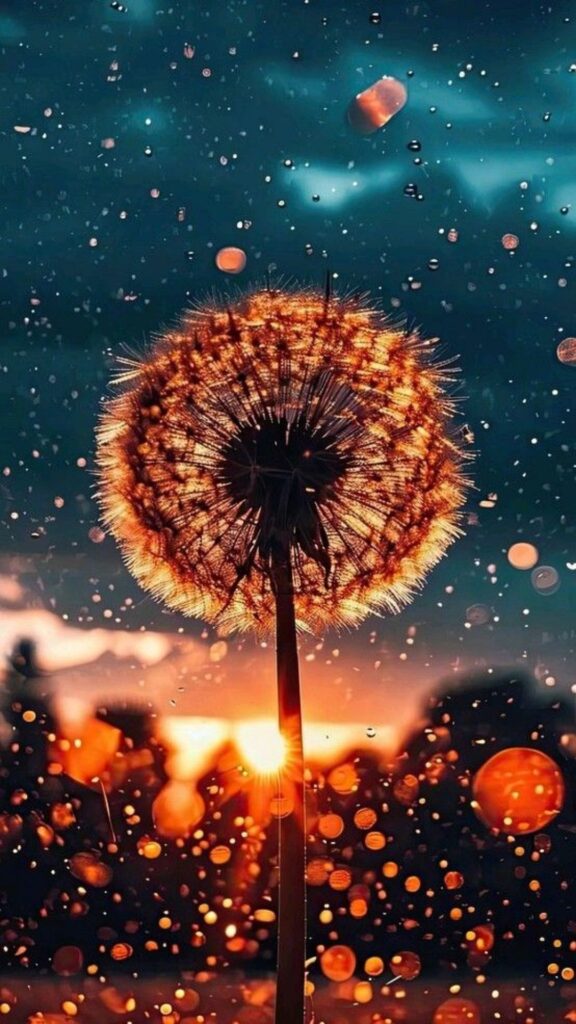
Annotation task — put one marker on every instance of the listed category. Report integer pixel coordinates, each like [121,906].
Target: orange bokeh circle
[518,790]
[231,260]
[330,826]
[338,963]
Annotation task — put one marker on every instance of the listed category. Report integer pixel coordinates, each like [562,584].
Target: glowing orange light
[518,790]
[121,951]
[406,790]
[90,869]
[338,963]
[412,883]
[374,966]
[177,809]
[188,999]
[281,806]
[62,815]
[375,106]
[362,992]
[89,750]
[317,871]
[406,964]
[358,908]
[390,869]
[261,746]
[231,260]
[340,879]
[343,779]
[480,938]
[264,915]
[220,855]
[151,849]
[330,826]
[365,817]
[375,841]
[566,351]
[453,880]
[523,555]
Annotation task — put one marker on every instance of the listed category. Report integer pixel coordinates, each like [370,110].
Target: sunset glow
[193,742]
[261,745]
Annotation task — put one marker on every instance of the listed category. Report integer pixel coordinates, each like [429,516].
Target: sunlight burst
[261,745]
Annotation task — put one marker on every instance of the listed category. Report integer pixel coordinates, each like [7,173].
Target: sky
[140,138]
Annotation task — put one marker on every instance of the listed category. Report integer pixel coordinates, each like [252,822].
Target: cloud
[59,646]
[11,31]
[337,187]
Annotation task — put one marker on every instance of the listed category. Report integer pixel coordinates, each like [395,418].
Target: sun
[261,745]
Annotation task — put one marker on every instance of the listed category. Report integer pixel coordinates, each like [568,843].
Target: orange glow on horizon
[262,745]
[193,742]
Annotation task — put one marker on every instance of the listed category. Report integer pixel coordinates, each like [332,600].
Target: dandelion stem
[292,899]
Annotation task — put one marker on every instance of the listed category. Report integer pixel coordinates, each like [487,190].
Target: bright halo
[261,746]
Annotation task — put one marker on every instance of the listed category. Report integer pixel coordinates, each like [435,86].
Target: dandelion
[286,462]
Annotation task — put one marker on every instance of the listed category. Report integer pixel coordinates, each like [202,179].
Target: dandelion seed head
[289,419]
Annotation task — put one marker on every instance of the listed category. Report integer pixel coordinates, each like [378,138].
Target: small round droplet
[546,580]
[370,732]
[415,146]
[510,242]
[373,108]
[478,614]
[231,259]
[148,151]
[566,351]
[522,555]
[315,198]
[433,264]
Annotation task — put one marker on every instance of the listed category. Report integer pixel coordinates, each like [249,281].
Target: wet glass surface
[257,219]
